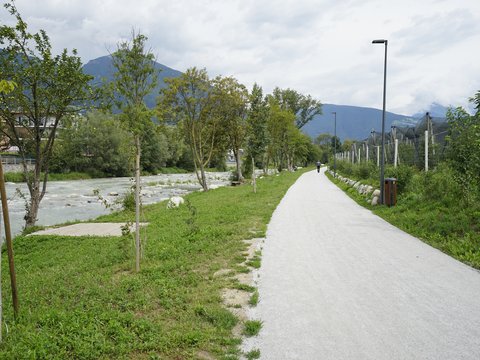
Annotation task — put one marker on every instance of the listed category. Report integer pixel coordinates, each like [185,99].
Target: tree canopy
[303,106]
[48,89]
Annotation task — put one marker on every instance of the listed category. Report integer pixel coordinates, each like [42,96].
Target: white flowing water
[75,200]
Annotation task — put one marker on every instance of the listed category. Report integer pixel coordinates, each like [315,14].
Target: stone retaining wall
[15,167]
[372,195]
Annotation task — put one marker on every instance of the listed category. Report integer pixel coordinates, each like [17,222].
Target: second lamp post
[382,161]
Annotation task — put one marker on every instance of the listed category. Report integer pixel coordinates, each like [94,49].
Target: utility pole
[382,165]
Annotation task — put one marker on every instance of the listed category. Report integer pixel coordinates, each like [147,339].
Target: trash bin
[390,191]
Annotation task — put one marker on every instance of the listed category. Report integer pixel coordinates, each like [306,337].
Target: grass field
[80,298]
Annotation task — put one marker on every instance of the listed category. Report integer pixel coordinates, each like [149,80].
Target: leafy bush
[345,168]
[403,174]
[440,185]
[361,171]
[15,177]
[128,201]
[464,149]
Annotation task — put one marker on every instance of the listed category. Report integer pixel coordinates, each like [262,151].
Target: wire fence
[423,146]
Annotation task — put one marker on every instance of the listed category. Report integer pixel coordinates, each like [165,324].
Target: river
[75,200]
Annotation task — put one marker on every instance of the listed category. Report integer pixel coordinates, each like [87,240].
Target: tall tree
[134,80]
[231,101]
[94,144]
[281,130]
[47,87]
[257,140]
[189,101]
[303,106]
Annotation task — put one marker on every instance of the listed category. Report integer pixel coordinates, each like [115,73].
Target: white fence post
[395,158]
[426,150]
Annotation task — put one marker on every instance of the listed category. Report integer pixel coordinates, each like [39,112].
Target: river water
[75,200]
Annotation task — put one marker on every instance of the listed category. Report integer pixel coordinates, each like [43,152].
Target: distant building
[231,156]
[23,126]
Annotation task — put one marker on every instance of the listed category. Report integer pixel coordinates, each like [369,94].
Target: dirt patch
[253,246]
[223,272]
[204,355]
[245,278]
[235,298]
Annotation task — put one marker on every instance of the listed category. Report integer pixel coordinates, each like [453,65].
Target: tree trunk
[137,203]
[203,178]
[33,206]
[238,160]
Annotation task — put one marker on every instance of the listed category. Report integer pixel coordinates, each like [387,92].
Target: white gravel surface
[338,282]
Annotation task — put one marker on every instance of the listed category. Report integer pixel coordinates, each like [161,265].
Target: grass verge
[80,299]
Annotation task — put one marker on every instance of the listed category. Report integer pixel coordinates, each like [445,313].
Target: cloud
[322,48]
[437,32]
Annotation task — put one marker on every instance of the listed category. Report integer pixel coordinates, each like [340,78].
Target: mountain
[354,122]
[435,110]
[102,68]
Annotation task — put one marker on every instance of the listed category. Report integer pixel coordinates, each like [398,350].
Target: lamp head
[382,41]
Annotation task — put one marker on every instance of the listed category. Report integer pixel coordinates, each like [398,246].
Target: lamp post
[382,163]
[335,146]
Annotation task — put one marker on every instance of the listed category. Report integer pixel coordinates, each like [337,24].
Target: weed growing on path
[252,327]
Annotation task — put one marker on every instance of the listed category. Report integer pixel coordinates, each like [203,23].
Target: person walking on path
[338,282]
[318,166]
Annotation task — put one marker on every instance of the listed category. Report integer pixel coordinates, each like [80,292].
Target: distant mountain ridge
[102,68]
[353,122]
[357,123]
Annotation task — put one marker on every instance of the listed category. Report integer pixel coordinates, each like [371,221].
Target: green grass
[256,260]
[252,327]
[79,297]
[253,299]
[253,354]
[243,287]
[432,209]
[15,177]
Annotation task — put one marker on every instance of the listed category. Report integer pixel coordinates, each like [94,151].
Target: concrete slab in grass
[87,229]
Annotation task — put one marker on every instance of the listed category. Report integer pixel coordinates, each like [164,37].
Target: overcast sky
[317,47]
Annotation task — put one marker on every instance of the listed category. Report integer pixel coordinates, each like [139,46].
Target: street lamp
[335,146]
[382,163]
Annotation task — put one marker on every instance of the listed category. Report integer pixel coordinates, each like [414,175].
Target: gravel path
[338,282]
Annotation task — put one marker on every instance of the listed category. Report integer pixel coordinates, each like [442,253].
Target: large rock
[375,200]
[376,193]
[175,202]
